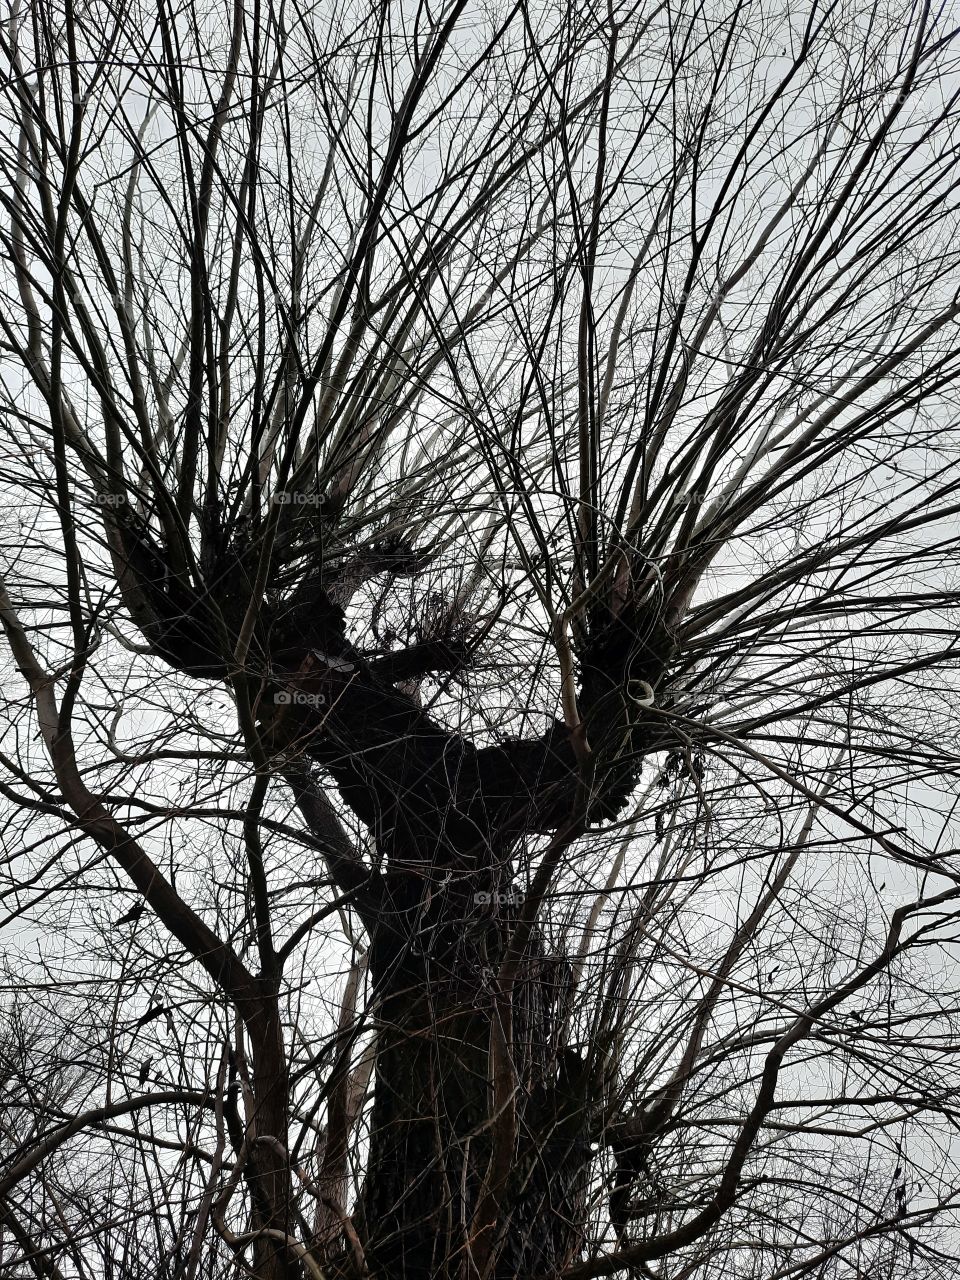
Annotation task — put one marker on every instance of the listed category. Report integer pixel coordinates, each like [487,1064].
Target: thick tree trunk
[432,1122]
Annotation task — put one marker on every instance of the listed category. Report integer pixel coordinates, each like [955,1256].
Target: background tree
[479,585]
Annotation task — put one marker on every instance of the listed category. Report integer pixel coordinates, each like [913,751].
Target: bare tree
[479,582]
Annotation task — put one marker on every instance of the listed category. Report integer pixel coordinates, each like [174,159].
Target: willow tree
[478,563]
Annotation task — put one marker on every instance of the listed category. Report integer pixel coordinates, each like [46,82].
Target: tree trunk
[432,1122]
[268,1171]
[460,1184]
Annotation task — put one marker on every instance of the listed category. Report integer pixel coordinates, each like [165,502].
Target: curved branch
[96,1115]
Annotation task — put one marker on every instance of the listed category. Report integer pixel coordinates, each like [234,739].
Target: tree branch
[24,1165]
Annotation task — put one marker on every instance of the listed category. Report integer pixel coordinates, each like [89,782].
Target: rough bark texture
[432,1121]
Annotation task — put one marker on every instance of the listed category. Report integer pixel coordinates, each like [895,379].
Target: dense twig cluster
[480,598]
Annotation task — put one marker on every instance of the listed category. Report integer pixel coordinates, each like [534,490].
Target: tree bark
[268,1170]
[432,1124]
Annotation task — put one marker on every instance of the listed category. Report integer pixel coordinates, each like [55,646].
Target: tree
[480,585]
